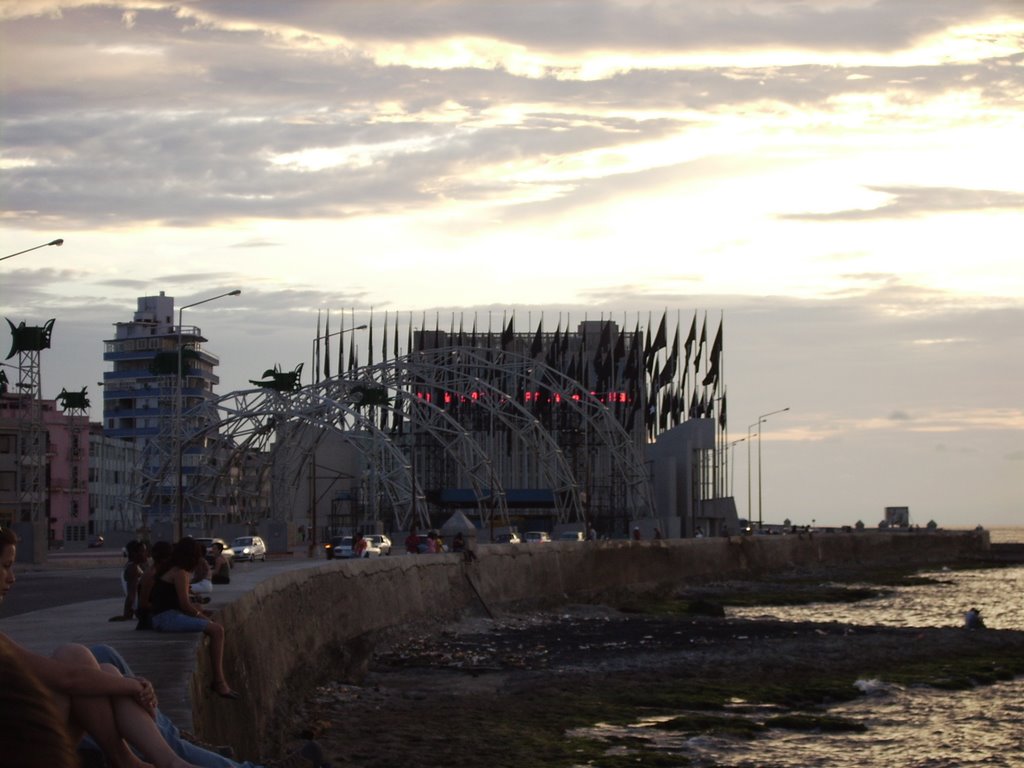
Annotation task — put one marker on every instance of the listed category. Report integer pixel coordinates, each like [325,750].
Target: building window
[8,481]
[8,443]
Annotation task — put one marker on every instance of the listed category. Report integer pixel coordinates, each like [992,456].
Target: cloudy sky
[840,180]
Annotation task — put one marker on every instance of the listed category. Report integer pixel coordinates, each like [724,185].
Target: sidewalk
[168,660]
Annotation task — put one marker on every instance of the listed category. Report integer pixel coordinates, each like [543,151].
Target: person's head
[137,551]
[32,732]
[161,552]
[217,548]
[8,549]
[186,554]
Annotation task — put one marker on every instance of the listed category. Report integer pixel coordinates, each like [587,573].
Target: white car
[249,548]
[341,547]
[507,538]
[536,537]
[379,541]
[571,536]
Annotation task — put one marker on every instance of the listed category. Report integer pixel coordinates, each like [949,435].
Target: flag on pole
[316,351]
[327,347]
[700,344]
[660,340]
[538,340]
[711,377]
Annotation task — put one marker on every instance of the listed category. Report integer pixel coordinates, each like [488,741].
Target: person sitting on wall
[459,542]
[221,565]
[309,755]
[159,554]
[131,578]
[173,611]
[973,620]
[359,545]
[202,584]
[412,542]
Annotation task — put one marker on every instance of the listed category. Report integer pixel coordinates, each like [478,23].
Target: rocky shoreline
[509,691]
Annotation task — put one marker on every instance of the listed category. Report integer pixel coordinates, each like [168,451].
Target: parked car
[507,538]
[536,537]
[208,542]
[571,536]
[341,547]
[249,548]
[380,541]
[96,542]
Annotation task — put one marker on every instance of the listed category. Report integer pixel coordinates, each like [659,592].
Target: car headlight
[246,551]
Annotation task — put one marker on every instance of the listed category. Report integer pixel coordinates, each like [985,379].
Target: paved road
[35,590]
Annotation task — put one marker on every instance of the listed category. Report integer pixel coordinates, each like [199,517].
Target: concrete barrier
[302,627]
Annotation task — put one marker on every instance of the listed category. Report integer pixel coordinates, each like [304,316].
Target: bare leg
[216,634]
[112,721]
[95,714]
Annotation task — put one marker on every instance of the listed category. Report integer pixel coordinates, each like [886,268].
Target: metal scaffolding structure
[503,426]
[452,420]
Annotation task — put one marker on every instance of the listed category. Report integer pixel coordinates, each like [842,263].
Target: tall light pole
[750,503]
[58,241]
[732,462]
[326,337]
[179,426]
[761,420]
[312,450]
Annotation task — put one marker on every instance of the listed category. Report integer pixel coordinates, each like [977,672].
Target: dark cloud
[581,25]
[185,137]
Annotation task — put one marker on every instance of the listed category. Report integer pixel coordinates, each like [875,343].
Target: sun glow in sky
[840,180]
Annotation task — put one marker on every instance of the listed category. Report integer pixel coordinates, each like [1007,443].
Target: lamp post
[179,426]
[732,462]
[325,338]
[312,450]
[58,241]
[750,503]
[760,421]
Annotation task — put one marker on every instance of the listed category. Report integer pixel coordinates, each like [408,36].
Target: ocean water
[906,727]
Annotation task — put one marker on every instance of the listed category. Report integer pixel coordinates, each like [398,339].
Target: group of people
[431,542]
[86,698]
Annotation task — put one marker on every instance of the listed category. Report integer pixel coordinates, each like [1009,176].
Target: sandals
[230,694]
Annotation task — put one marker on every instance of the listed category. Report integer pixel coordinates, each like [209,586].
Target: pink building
[66,494]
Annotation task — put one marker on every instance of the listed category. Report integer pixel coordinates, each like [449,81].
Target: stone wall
[302,627]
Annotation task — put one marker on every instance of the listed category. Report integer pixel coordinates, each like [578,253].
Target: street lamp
[760,421]
[58,241]
[750,504]
[325,338]
[732,462]
[312,459]
[179,427]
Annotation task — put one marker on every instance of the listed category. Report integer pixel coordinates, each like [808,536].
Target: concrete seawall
[301,627]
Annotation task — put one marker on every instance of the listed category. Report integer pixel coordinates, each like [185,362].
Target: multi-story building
[66,455]
[142,403]
[113,475]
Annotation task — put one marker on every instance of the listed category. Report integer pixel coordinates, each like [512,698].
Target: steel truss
[501,420]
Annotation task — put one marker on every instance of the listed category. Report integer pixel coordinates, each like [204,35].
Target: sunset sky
[842,181]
